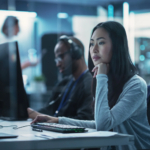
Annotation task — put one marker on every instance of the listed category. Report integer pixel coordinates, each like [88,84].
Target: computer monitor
[13,98]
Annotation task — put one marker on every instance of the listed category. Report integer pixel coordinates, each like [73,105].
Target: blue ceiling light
[110,11]
[142,47]
[62,15]
[142,57]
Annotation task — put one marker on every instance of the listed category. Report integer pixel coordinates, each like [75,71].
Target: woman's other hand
[101,68]
[45,118]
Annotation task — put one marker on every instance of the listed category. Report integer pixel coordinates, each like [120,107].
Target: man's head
[68,51]
[11,26]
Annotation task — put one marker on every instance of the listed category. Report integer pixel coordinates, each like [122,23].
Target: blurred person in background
[10,30]
[71,97]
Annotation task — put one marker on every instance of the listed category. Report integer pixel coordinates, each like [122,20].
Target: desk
[28,141]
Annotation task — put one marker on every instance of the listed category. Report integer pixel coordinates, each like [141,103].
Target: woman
[10,30]
[11,27]
[120,95]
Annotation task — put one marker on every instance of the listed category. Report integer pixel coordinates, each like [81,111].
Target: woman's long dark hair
[121,67]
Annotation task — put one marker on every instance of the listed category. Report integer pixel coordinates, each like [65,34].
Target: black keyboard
[58,127]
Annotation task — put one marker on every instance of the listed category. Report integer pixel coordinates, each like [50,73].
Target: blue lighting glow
[142,57]
[62,15]
[142,47]
[110,11]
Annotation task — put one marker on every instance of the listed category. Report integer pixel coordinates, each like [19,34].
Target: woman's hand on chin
[101,68]
[45,118]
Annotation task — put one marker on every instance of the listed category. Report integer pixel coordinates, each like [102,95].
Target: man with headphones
[71,97]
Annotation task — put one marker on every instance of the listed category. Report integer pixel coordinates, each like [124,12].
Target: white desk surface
[27,139]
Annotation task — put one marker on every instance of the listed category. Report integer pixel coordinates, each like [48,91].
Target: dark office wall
[3,4]
[48,60]
[48,22]
[140,5]
[47,15]
[118,8]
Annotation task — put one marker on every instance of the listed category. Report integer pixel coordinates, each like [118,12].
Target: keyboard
[58,127]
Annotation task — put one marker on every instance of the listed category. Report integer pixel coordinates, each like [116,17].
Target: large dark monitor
[13,98]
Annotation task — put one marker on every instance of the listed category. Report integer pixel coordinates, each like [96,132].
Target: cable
[8,126]
[15,127]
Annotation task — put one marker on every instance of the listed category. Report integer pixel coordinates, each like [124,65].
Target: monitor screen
[13,98]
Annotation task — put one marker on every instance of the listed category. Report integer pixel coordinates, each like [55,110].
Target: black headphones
[75,50]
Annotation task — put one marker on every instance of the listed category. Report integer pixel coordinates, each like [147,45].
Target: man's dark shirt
[79,104]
